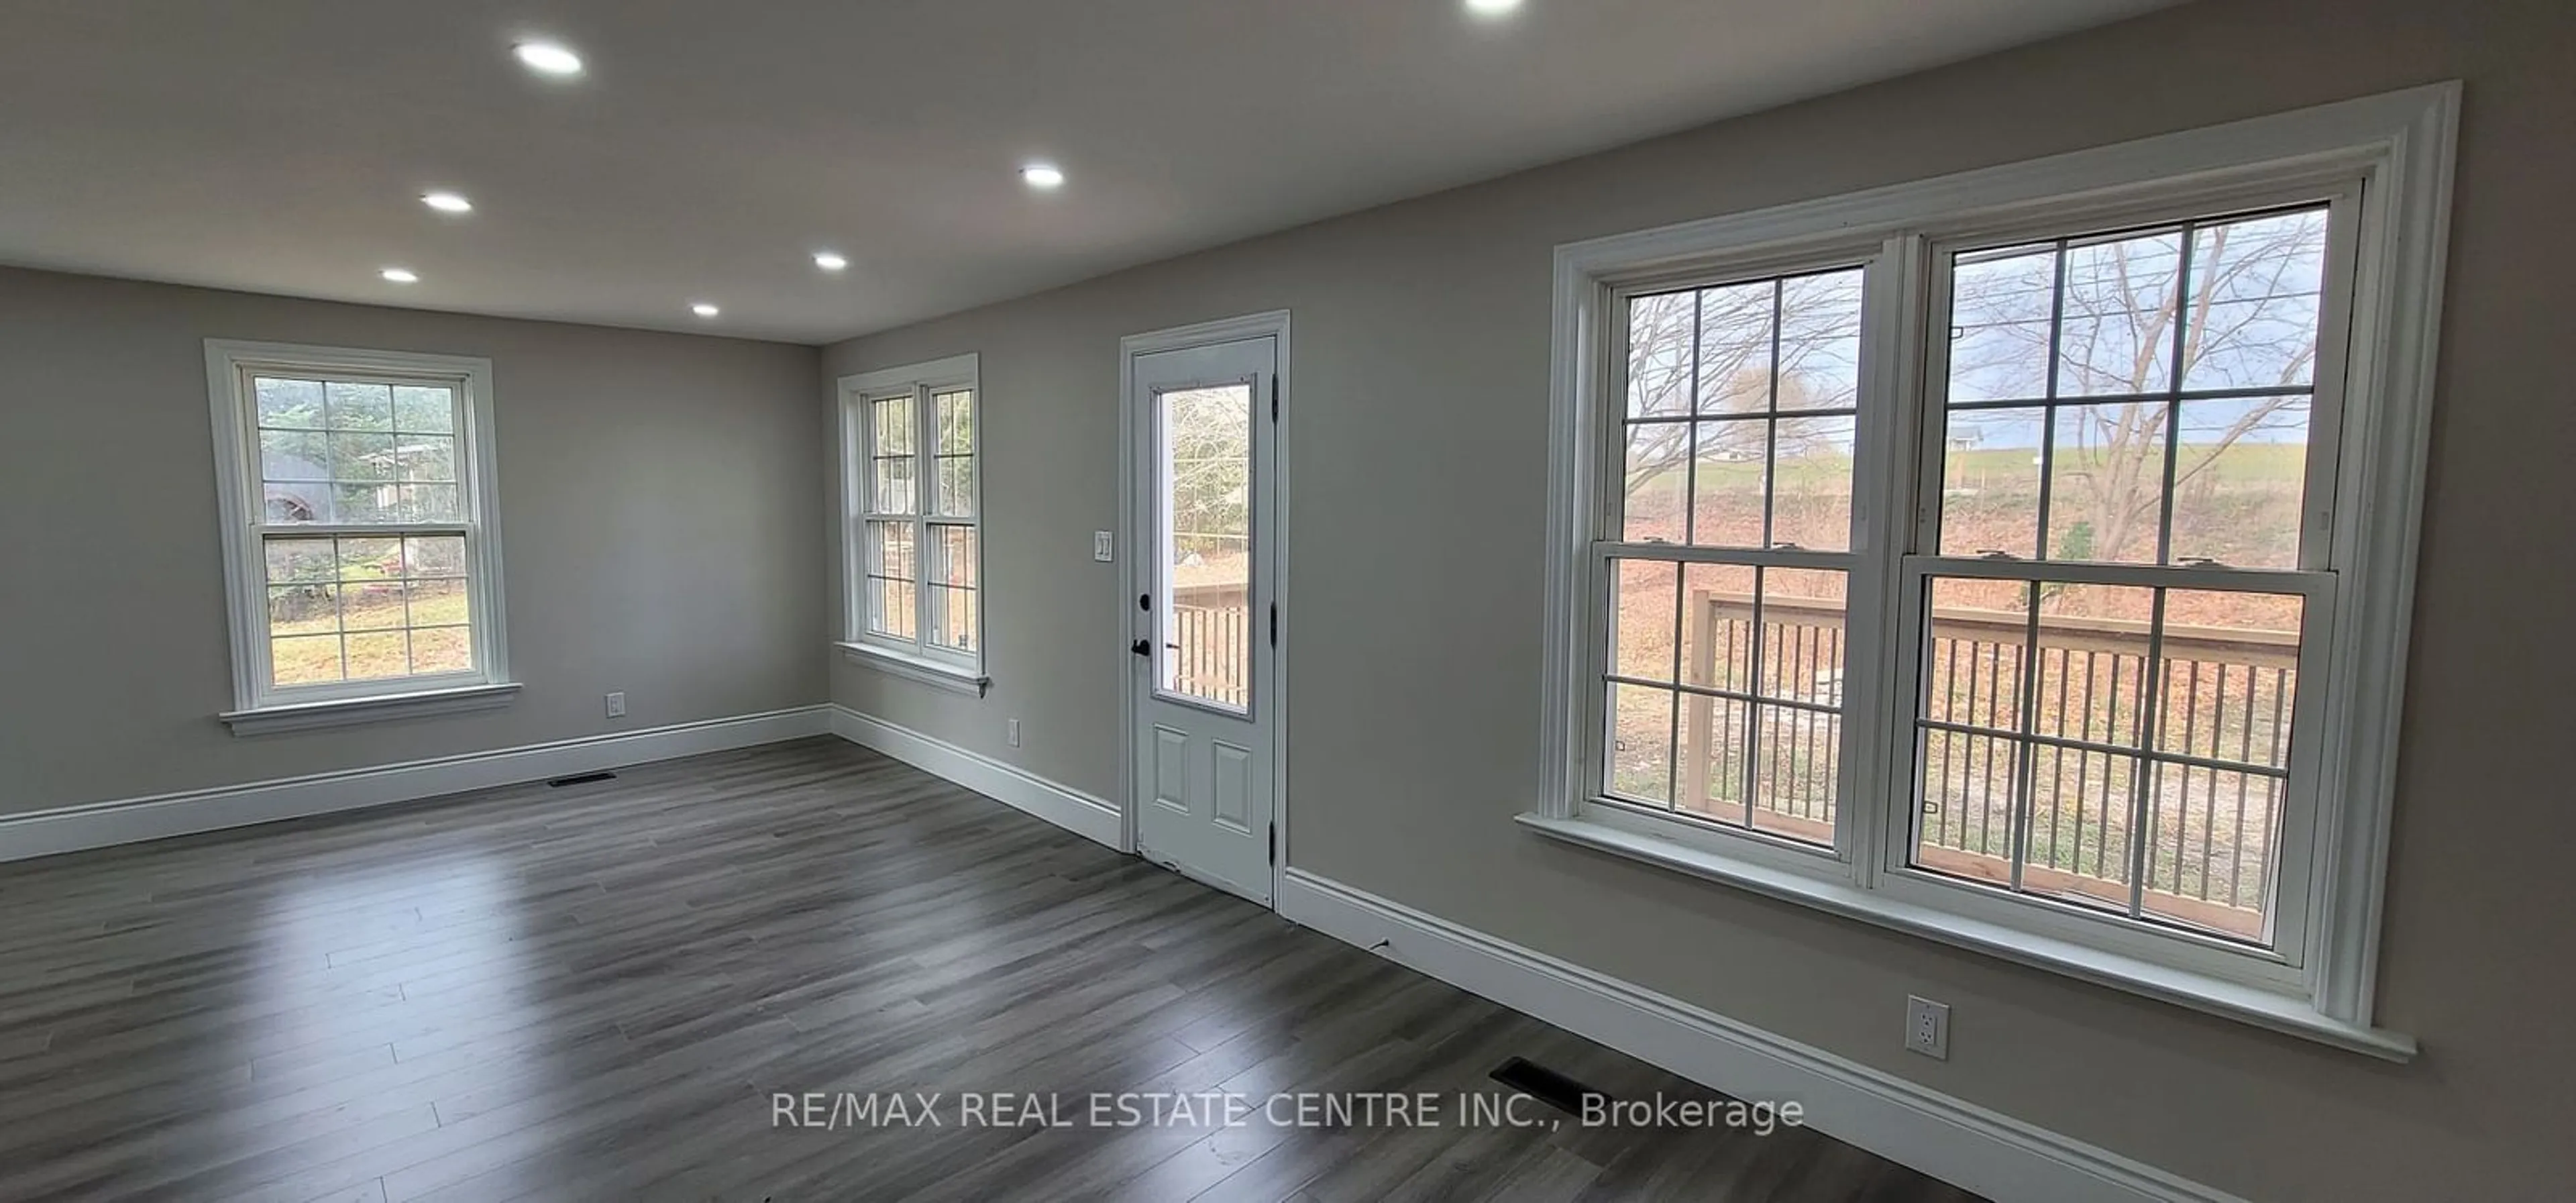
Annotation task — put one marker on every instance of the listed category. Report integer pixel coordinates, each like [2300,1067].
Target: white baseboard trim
[127,821]
[1062,805]
[1994,1155]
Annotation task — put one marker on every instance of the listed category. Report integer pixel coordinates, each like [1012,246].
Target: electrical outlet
[617,705]
[1927,1028]
[1100,546]
[1015,733]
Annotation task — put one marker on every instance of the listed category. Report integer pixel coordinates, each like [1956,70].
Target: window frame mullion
[925,469]
[1888,482]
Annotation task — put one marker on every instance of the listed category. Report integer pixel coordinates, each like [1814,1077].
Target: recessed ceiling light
[829,261]
[447,202]
[1043,175]
[1492,8]
[400,275]
[548,58]
[702,309]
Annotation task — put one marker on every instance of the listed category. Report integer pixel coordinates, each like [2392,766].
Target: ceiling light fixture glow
[447,202]
[400,275]
[548,58]
[702,309]
[1492,8]
[829,261]
[1043,175]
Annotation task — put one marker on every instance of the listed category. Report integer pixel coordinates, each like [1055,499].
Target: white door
[1200,520]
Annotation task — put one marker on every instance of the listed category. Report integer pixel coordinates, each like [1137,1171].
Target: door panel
[1200,516]
[1171,774]
[1231,791]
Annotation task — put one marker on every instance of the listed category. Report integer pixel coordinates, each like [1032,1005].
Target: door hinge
[1274,624]
[1274,843]
[1274,399]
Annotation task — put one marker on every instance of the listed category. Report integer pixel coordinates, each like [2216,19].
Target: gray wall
[1419,443]
[662,515]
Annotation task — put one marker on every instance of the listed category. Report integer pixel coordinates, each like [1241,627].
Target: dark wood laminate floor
[593,992]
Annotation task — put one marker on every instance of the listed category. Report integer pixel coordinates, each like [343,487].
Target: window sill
[2288,1014]
[343,712]
[935,673]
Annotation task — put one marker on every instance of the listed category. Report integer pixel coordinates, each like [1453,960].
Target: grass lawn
[369,631]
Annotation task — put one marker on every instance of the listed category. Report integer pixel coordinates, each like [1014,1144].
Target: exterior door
[1200,519]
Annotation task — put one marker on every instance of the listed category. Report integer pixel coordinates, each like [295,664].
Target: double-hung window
[2020,559]
[912,522]
[1729,567]
[361,553]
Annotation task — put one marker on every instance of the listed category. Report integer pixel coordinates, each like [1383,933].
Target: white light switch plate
[1100,546]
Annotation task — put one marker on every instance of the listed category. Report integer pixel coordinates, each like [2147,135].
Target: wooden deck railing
[1208,639]
[2225,698]
[1774,765]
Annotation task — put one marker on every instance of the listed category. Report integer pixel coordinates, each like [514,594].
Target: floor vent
[582,779]
[1544,1084]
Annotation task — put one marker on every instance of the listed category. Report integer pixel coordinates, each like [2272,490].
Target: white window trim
[2401,145]
[912,659]
[259,708]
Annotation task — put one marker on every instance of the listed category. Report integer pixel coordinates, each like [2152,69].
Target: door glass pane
[1203,529]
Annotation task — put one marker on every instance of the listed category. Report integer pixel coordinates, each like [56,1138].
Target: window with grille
[1729,575]
[2019,559]
[357,494]
[914,535]
[2138,403]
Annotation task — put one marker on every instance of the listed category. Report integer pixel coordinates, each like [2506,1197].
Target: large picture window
[913,532]
[363,561]
[2017,559]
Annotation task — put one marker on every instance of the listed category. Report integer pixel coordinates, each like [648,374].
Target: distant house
[301,500]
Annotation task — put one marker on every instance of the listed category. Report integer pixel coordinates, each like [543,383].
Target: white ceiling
[280,146]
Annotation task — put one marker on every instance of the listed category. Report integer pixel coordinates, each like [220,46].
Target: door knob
[1142,648]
